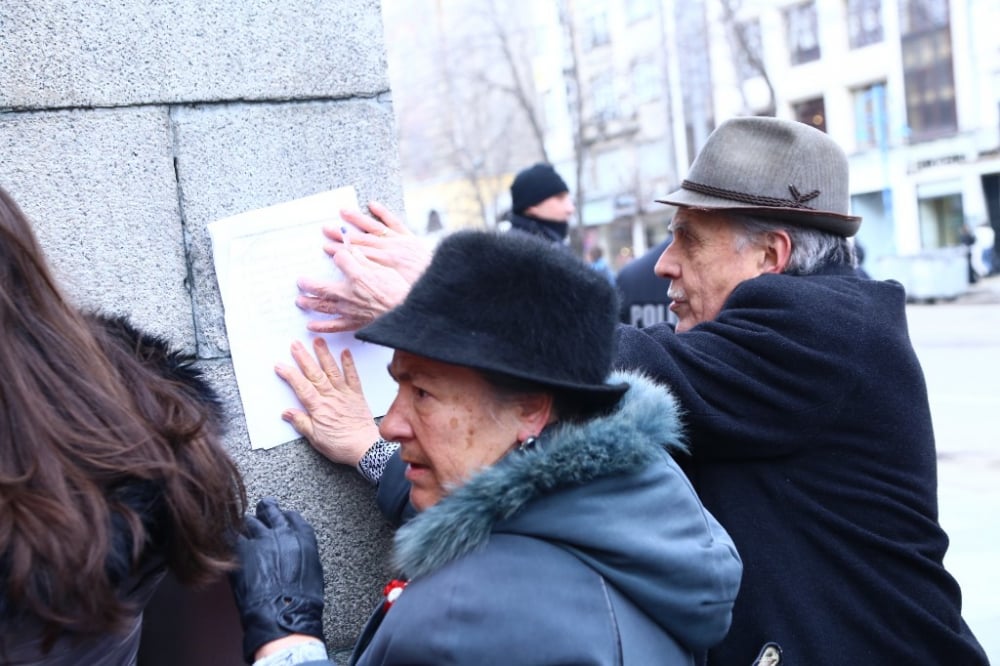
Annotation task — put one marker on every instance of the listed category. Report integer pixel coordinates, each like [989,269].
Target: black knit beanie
[534,185]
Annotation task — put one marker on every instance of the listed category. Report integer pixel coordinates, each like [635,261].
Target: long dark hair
[86,418]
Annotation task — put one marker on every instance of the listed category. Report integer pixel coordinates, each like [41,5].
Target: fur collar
[158,355]
[646,420]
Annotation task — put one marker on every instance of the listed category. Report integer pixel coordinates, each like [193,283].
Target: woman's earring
[527,443]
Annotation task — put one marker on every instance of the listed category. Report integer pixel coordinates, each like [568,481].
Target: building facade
[909,88]
[626,92]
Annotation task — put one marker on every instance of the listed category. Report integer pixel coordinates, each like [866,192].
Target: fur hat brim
[423,334]
[511,304]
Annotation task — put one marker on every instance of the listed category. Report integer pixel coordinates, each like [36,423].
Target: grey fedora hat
[779,169]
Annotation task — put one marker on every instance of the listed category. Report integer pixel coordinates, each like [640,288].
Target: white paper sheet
[259,256]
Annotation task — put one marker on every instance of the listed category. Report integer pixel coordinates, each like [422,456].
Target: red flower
[392,591]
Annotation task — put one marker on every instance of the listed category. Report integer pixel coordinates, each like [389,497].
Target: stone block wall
[126,126]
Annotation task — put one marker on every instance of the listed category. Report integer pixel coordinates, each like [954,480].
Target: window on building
[696,73]
[870,122]
[602,97]
[551,109]
[941,219]
[636,10]
[651,157]
[864,22]
[606,171]
[811,112]
[646,83]
[928,77]
[921,15]
[802,32]
[595,31]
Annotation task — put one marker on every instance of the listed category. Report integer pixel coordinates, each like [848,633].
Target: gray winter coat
[590,548]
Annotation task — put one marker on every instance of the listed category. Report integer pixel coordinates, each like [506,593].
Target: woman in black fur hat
[111,470]
[541,482]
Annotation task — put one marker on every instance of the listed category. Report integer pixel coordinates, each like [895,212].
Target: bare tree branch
[519,89]
[750,49]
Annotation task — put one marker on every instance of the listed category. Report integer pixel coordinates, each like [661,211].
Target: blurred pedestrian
[968,239]
[809,423]
[541,204]
[595,256]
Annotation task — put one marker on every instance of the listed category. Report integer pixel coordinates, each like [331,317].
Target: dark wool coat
[811,441]
[138,586]
[589,548]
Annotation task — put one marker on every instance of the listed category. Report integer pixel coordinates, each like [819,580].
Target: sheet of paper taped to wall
[259,256]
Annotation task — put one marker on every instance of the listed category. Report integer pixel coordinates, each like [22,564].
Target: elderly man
[806,411]
[806,408]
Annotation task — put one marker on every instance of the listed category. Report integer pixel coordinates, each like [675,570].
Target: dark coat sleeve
[778,366]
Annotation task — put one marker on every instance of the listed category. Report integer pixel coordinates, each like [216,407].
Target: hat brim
[835,223]
[405,329]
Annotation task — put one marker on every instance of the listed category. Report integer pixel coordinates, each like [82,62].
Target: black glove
[279,585]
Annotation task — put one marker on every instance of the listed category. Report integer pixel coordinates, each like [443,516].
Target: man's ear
[777,252]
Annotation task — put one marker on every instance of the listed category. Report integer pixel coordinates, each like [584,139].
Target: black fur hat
[534,185]
[512,304]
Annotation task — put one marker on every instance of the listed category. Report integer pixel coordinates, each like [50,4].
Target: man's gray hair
[812,249]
